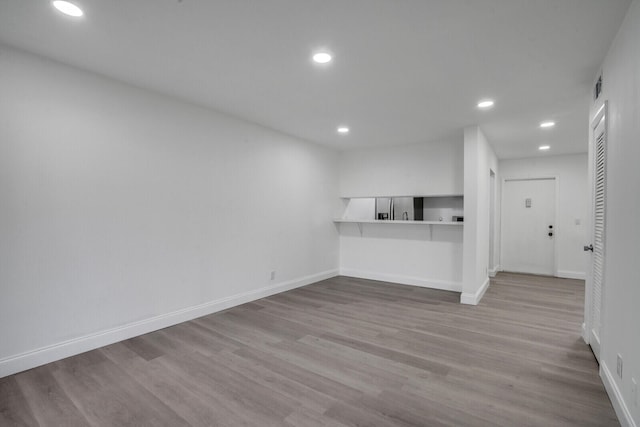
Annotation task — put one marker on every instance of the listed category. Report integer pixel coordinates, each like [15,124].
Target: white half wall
[571,228]
[620,332]
[418,254]
[401,253]
[124,211]
[479,161]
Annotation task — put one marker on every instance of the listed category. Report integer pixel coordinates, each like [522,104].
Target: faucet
[405,216]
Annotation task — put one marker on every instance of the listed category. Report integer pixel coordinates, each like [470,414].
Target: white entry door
[528,225]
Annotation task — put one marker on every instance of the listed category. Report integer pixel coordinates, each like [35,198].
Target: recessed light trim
[68,8]
[322,57]
[486,103]
[343,130]
[547,124]
[544,147]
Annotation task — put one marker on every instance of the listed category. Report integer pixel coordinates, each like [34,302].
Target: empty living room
[330,213]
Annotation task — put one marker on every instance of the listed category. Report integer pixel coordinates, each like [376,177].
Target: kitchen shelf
[360,222]
[386,221]
[406,195]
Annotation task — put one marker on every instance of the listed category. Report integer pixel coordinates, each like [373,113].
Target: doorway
[528,225]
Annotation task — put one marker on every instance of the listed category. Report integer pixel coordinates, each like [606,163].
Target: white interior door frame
[493,262]
[556,180]
[587,326]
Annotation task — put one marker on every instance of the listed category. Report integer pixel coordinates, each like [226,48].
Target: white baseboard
[622,411]
[403,280]
[31,359]
[474,299]
[580,275]
[493,271]
[585,334]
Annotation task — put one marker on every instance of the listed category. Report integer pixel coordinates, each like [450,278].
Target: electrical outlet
[273,275]
[634,392]
[619,366]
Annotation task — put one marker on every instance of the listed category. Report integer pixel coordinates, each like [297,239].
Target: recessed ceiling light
[548,124]
[343,130]
[487,103]
[544,147]
[322,57]
[68,8]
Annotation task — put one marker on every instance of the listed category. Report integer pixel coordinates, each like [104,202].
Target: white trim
[581,275]
[474,299]
[493,271]
[403,280]
[620,406]
[595,116]
[21,362]
[594,342]
[585,333]
[556,254]
[493,225]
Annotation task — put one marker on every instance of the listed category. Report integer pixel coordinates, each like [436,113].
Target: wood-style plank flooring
[342,352]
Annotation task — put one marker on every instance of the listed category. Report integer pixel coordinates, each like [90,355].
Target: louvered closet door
[599,204]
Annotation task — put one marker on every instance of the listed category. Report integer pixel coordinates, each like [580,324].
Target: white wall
[364,208]
[401,253]
[571,171]
[123,211]
[620,332]
[408,170]
[479,161]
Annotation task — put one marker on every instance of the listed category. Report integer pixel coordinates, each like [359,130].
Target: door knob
[588,248]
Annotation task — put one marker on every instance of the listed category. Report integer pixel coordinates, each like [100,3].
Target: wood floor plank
[247,401]
[299,394]
[48,401]
[311,379]
[383,351]
[304,417]
[14,408]
[192,404]
[340,352]
[106,395]
[144,347]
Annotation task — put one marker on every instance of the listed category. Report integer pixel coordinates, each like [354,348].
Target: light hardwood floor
[339,352]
